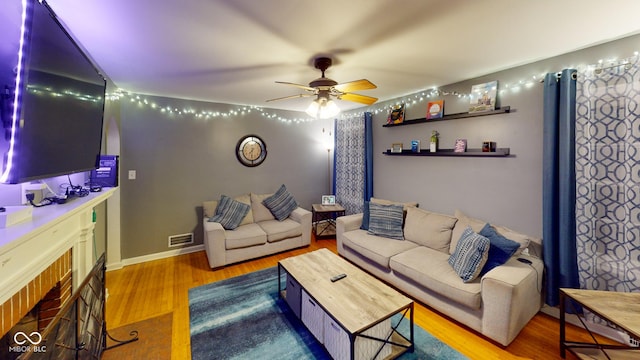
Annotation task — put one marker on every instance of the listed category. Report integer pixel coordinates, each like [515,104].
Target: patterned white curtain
[350,164]
[608,177]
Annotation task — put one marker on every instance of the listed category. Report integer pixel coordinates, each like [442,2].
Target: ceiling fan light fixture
[313,108]
[323,108]
[329,110]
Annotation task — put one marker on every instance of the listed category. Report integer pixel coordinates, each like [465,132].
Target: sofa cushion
[280,230]
[430,269]
[245,236]
[470,255]
[521,239]
[281,204]
[461,225]
[375,248]
[500,250]
[209,208]
[229,212]
[405,205]
[260,212]
[386,221]
[245,199]
[429,228]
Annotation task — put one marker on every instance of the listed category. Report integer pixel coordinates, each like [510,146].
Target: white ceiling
[233,51]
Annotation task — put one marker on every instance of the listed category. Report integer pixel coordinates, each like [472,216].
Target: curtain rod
[574,76]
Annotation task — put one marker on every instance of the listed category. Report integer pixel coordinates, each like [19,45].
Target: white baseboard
[596,328]
[156,256]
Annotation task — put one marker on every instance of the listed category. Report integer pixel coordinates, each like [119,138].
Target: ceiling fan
[325,89]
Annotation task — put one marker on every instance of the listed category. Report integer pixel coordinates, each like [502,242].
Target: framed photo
[328,199]
[396,147]
[461,145]
[435,109]
[396,116]
[483,97]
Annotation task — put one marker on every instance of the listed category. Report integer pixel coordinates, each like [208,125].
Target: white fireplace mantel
[29,247]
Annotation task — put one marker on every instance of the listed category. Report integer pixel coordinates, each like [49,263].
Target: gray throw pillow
[281,204]
[229,212]
[470,255]
[386,220]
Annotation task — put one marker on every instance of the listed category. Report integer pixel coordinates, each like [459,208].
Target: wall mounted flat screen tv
[53,104]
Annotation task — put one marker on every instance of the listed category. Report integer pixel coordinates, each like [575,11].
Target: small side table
[619,308]
[323,218]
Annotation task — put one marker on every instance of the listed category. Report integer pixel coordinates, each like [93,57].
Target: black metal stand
[105,332]
[133,334]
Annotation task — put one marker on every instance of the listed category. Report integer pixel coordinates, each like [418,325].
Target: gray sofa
[497,304]
[259,233]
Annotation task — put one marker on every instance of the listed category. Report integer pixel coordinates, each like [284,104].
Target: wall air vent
[180,239]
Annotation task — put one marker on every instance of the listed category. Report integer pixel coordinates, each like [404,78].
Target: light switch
[132,174]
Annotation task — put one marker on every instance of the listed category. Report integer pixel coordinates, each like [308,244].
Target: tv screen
[56,102]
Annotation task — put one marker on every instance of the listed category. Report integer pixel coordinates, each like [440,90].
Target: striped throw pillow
[230,213]
[281,204]
[386,220]
[470,255]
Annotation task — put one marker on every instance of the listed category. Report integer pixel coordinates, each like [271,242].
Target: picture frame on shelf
[396,115]
[460,146]
[483,97]
[415,145]
[396,147]
[435,109]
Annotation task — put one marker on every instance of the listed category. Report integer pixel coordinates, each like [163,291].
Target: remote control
[338,277]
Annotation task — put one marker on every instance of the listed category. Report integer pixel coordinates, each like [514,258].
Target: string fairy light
[413,99]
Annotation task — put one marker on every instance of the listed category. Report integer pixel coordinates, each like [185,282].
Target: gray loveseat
[498,303]
[259,233]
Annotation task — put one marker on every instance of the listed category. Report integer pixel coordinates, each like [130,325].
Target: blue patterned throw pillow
[386,220]
[470,255]
[365,216]
[229,212]
[281,204]
[501,248]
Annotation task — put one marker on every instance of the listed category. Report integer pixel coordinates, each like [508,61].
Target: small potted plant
[433,143]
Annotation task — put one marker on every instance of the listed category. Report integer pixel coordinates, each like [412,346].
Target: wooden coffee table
[621,309]
[352,317]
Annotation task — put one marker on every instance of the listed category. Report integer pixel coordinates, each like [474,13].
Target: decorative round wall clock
[251,150]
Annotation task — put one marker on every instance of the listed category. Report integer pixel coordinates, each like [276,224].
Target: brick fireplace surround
[45,259]
[52,287]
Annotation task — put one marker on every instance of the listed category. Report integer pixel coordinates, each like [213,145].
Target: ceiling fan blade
[357,85]
[291,97]
[297,85]
[358,98]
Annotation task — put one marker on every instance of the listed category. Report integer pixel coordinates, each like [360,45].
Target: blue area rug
[244,318]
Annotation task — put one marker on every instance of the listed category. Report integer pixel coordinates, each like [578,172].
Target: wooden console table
[621,309]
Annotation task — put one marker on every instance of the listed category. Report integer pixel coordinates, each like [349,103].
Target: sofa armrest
[214,243]
[345,224]
[511,296]
[303,216]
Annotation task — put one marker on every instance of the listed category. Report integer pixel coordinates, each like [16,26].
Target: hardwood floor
[142,291]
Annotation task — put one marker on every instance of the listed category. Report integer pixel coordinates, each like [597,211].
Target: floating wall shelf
[502,110]
[500,152]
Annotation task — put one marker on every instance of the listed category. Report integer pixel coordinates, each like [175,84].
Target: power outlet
[634,342]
